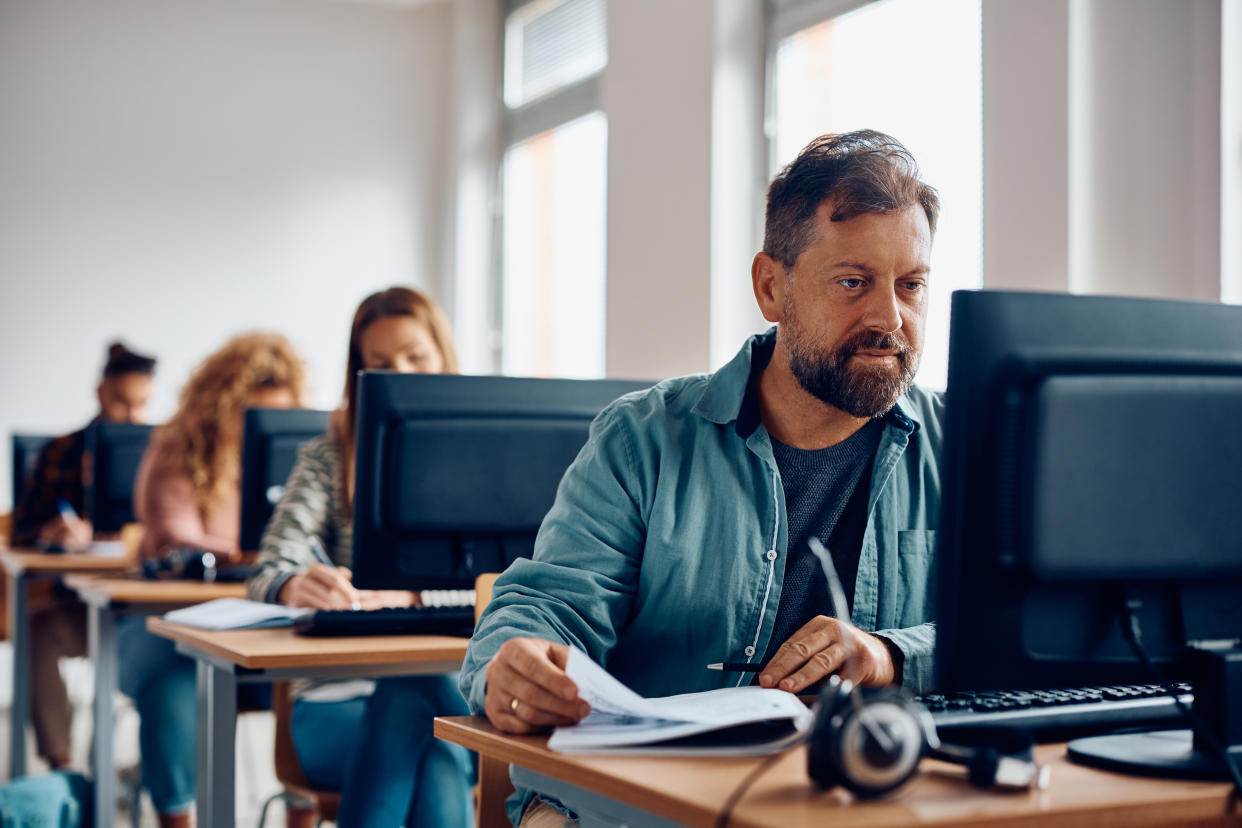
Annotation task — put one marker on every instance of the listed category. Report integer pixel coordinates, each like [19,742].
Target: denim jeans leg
[381,787]
[162,684]
[445,795]
[326,736]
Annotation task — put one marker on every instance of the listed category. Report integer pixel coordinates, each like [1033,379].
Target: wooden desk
[107,599]
[666,791]
[227,657]
[24,566]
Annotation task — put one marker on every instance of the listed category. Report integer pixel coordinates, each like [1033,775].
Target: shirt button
[750,651]
[771,554]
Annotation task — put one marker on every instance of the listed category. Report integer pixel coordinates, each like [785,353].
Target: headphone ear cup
[823,745]
[870,748]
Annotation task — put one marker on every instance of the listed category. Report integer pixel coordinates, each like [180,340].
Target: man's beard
[860,391]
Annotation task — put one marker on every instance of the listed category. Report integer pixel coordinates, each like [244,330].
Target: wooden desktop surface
[105,591]
[693,791]
[282,648]
[29,561]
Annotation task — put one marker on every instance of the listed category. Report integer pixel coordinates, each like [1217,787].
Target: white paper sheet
[235,614]
[621,719]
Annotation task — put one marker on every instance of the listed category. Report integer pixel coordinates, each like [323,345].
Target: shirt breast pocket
[916,557]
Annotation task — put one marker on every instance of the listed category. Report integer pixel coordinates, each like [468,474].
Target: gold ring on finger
[513,705]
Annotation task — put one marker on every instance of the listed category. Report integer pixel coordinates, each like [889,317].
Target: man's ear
[767,276]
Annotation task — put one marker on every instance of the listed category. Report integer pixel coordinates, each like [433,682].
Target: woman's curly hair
[203,438]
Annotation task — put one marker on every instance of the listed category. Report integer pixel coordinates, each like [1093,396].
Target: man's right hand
[320,587]
[527,689]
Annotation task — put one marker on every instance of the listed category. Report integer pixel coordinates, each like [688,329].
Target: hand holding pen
[322,586]
[66,531]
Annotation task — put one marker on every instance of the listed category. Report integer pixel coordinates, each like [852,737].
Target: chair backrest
[131,537]
[494,785]
[288,771]
[289,774]
[483,592]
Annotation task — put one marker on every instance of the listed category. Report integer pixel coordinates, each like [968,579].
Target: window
[554,185]
[912,69]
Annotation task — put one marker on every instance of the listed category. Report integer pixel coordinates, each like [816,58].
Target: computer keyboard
[444,612]
[1056,715]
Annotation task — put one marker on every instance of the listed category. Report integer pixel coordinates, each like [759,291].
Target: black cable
[1133,634]
[740,790]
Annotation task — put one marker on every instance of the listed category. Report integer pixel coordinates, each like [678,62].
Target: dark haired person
[679,535]
[58,629]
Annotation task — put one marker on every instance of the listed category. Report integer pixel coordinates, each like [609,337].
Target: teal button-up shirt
[666,547]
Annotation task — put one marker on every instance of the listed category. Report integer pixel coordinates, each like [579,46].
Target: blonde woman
[187,497]
[370,741]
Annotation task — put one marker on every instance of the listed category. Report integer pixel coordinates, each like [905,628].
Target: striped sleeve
[309,508]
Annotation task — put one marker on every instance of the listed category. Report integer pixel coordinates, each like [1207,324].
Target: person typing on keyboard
[372,741]
[679,535]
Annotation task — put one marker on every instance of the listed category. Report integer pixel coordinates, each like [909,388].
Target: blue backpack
[55,800]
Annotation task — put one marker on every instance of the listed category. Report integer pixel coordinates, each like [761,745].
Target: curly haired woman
[187,497]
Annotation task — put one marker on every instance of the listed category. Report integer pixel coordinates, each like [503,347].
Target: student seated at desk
[47,516]
[679,535]
[187,496]
[372,741]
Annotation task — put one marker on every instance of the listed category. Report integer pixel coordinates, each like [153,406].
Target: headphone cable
[742,787]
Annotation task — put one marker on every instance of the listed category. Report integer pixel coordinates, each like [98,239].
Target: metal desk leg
[19,714]
[102,629]
[217,746]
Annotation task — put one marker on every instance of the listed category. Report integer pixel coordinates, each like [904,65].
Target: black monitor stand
[1181,754]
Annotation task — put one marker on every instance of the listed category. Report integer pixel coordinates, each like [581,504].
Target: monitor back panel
[26,448]
[1089,459]
[455,474]
[270,444]
[113,453]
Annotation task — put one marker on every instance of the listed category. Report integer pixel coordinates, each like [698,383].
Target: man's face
[854,306]
[123,398]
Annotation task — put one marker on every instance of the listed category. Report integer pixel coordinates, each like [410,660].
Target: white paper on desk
[620,719]
[236,614]
[107,549]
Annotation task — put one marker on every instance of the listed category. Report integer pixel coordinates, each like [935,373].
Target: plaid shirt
[57,476]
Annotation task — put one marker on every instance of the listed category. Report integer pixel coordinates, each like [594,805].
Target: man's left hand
[819,649]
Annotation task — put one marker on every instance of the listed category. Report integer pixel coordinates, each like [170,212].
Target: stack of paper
[733,720]
[236,614]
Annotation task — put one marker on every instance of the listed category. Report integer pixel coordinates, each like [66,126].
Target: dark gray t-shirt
[826,493]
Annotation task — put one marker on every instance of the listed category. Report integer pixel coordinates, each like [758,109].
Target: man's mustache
[872,341]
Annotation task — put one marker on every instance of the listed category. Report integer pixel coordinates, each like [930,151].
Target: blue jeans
[379,752]
[162,685]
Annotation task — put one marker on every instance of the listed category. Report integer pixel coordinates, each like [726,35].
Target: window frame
[519,124]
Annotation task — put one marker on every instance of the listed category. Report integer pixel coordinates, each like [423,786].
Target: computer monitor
[454,474]
[1093,463]
[26,449]
[271,438]
[112,455]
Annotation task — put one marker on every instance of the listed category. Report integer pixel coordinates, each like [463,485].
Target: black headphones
[867,740]
[870,741]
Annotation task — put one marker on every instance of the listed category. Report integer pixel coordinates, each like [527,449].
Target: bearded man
[679,536]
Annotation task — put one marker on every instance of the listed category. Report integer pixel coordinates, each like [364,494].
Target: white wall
[683,96]
[1102,147]
[174,171]
[657,94]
